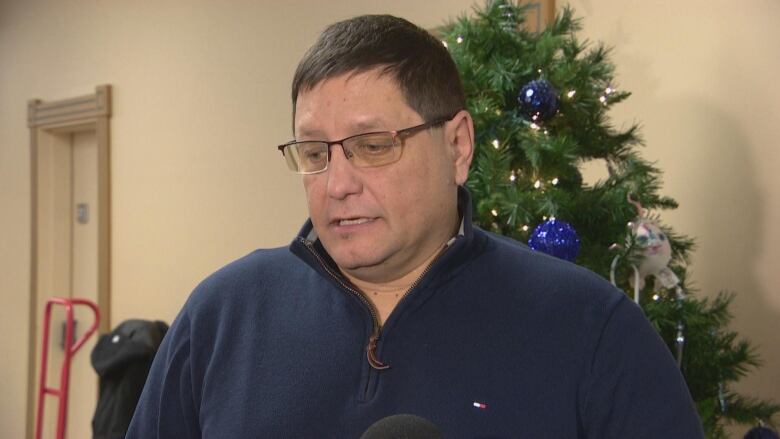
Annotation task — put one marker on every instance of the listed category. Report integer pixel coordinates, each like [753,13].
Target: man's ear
[460,139]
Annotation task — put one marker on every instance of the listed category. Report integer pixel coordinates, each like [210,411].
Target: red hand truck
[70,350]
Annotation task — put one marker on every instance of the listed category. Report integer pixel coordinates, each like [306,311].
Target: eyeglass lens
[365,150]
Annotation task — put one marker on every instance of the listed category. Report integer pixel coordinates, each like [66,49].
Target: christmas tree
[539,102]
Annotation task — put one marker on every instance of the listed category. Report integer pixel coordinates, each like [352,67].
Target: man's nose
[343,179]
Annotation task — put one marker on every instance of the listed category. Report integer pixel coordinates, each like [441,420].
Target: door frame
[48,122]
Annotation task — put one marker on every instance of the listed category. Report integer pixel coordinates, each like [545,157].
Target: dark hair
[420,63]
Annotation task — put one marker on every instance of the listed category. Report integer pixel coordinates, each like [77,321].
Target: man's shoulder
[525,262]
[247,277]
[537,290]
[545,279]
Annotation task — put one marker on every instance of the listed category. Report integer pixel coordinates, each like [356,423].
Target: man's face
[380,223]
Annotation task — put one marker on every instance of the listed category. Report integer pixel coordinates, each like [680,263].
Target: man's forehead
[357,101]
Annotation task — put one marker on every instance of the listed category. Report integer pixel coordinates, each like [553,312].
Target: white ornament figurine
[653,253]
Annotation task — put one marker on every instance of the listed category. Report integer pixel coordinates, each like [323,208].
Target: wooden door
[70,248]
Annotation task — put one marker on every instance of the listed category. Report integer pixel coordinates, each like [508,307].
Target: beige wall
[201,97]
[200,100]
[703,74]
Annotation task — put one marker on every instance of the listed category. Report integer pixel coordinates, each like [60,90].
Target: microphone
[403,427]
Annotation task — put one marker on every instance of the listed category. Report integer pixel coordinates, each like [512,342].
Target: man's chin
[357,264]
[361,266]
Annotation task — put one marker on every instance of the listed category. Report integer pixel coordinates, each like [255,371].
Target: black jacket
[122,359]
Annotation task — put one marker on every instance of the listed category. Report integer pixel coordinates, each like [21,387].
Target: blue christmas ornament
[538,100]
[761,432]
[557,238]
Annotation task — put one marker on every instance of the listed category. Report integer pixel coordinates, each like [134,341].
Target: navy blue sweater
[495,341]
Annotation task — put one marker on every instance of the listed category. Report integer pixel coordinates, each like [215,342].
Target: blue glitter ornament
[761,432]
[538,100]
[557,238]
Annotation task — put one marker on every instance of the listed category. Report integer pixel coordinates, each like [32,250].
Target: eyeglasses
[363,150]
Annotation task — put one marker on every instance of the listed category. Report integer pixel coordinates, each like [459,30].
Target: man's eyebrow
[303,132]
[372,124]
[359,127]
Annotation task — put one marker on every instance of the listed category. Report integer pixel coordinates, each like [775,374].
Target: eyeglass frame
[402,134]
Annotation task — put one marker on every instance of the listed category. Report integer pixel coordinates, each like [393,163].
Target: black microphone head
[402,427]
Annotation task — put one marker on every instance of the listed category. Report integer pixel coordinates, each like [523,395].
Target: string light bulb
[512,176]
[535,126]
[570,94]
[607,92]
[525,228]
[494,212]
[460,39]
[554,181]
[537,184]
[495,143]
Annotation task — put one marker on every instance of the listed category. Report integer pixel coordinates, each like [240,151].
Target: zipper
[424,272]
[376,330]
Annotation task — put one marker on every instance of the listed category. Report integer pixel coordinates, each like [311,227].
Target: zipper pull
[371,354]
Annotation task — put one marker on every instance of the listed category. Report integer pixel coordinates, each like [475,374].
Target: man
[389,301]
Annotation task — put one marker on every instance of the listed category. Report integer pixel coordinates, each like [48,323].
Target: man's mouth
[354,221]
